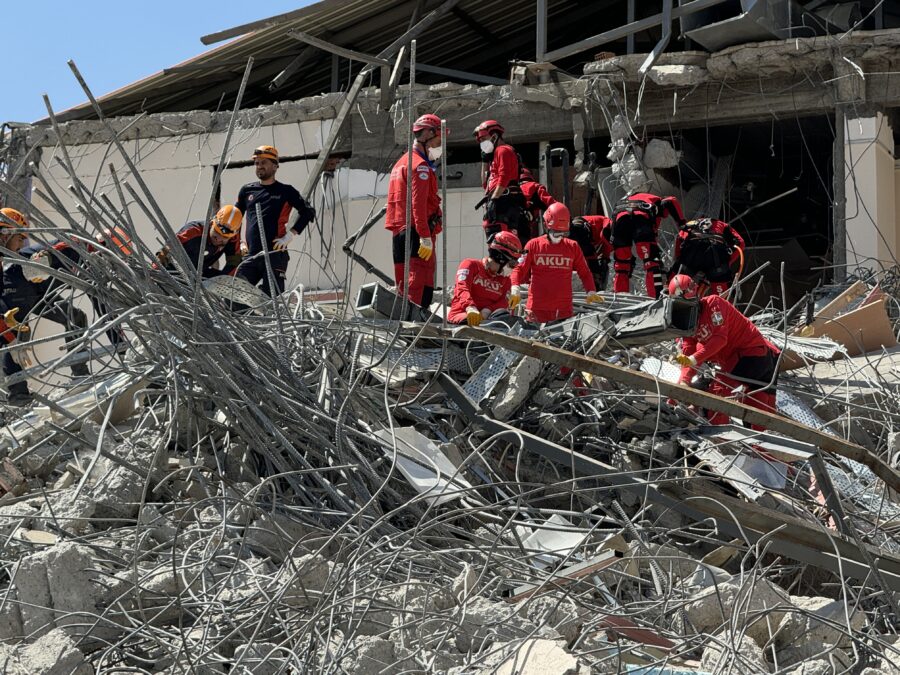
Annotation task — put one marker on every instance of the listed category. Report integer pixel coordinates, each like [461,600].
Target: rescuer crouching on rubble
[708,250]
[482,286]
[547,264]
[636,222]
[537,200]
[13,239]
[593,234]
[727,338]
[61,255]
[223,239]
[426,218]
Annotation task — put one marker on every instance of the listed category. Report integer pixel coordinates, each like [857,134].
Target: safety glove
[426,248]
[473,316]
[515,297]
[685,360]
[281,243]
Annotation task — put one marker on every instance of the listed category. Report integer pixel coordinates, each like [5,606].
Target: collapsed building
[314,484]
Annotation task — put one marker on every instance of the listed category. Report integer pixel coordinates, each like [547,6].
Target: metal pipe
[628,29]
[410,149]
[540,42]
[660,46]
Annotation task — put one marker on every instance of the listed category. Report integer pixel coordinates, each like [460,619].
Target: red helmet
[487,129]
[507,244]
[682,286]
[428,121]
[525,174]
[557,217]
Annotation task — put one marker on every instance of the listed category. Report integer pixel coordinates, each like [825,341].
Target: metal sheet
[402,364]
[236,289]
[426,468]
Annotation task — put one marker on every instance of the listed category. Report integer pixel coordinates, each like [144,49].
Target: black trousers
[255,271]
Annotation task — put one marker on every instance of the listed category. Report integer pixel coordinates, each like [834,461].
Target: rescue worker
[548,264]
[223,239]
[503,199]
[11,330]
[11,236]
[728,339]
[537,199]
[635,222]
[426,212]
[61,255]
[482,286]
[40,298]
[593,234]
[273,235]
[707,250]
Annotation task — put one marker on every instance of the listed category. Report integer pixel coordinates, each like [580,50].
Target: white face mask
[556,238]
[487,146]
[434,153]
[506,271]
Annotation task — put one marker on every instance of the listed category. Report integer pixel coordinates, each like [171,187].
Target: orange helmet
[117,237]
[14,216]
[266,152]
[227,221]
[557,217]
[682,286]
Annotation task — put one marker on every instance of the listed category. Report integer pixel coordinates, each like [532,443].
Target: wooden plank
[682,393]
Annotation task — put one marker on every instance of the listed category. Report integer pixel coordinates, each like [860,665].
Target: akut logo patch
[553,260]
[489,284]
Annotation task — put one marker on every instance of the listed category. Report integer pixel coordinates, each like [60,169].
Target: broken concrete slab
[729,652]
[754,605]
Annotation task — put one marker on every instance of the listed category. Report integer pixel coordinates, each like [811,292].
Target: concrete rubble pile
[300,487]
[296,488]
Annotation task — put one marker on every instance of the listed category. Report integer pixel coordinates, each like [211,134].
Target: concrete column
[869,182]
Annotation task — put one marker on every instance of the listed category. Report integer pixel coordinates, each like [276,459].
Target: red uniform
[477,287]
[636,221]
[593,234]
[507,211]
[549,266]
[729,339]
[537,199]
[426,222]
[711,247]
[504,168]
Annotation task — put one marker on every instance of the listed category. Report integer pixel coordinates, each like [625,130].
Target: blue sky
[113,43]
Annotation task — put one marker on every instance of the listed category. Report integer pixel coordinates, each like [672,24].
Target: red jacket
[601,237]
[718,229]
[477,287]
[426,204]
[723,336]
[504,167]
[537,199]
[549,266]
[661,207]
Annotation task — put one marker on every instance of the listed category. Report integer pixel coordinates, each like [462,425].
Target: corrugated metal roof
[479,36]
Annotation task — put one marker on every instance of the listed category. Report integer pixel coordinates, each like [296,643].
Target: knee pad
[622,260]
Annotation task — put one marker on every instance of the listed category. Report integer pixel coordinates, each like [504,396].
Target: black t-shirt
[276,201]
